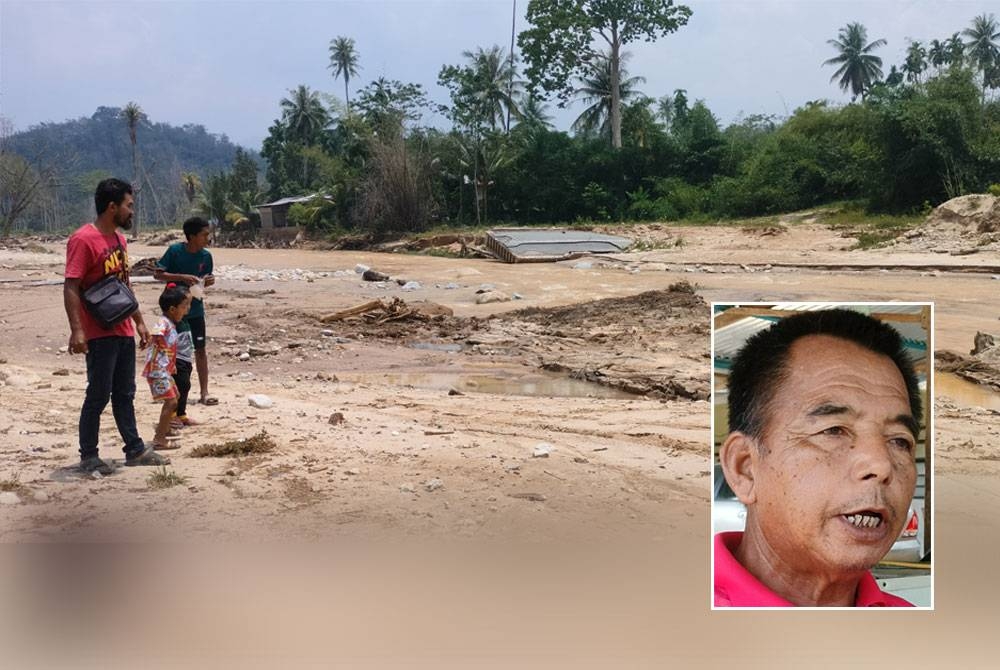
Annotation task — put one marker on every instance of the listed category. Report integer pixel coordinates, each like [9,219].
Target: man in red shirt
[93,252]
[824,418]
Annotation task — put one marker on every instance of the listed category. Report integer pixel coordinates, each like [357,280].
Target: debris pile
[962,226]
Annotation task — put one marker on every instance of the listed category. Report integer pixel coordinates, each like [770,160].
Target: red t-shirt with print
[90,256]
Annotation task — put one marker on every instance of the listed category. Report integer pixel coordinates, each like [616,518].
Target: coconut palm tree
[983,47]
[495,85]
[858,66]
[344,63]
[304,114]
[595,92]
[133,115]
[534,113]
[916,61]
[955,48]
[938,54]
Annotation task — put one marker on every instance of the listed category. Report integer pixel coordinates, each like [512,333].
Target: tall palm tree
[858,66]
[344,63]
[534,113]
[133,115]
[956,50]
[595,92]
[983,47]
[304,114]
[916,61]
[938,53]
[495,85]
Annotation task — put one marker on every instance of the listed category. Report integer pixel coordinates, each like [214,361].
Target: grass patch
[14,485]
[261,443]
[161,479]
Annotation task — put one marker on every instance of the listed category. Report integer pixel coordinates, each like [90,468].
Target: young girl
[161,360]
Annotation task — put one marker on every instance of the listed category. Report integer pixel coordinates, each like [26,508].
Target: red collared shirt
[736,587]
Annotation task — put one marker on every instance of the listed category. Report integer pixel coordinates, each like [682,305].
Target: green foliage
[92,148]
[994,190]
[558,46]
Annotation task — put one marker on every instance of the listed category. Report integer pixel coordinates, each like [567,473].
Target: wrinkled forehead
[826,368]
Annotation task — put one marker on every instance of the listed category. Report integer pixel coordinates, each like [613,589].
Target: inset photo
[822,432]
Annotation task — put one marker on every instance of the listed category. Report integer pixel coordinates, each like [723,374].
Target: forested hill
[86,150]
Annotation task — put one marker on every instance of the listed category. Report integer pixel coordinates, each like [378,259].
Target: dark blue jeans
[110,375]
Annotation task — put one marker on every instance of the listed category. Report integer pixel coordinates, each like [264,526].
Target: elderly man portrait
[824,416]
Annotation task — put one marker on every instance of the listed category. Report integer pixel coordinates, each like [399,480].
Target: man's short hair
[110,191]
[193,226]
[760,367]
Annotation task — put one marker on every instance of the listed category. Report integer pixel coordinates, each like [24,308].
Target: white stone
[433,484]
[9,498]
[412,286]
[260,401]
[245,356]
[542,450]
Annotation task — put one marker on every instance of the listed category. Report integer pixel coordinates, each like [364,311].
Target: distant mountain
[90,149]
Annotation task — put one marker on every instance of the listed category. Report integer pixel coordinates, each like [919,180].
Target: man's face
[834,483]
[123,212]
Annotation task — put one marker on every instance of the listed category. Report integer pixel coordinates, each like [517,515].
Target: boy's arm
[161,272]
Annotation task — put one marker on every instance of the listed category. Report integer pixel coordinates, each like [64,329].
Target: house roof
[294,199]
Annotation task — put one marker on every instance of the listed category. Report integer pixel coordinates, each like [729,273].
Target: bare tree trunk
[616,100]
[510,82]
[136,188]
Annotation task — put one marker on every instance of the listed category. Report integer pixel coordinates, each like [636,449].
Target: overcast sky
[227,64]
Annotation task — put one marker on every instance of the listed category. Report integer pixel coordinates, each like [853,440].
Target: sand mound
[964,225]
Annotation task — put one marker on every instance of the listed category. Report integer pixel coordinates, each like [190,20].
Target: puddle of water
[964,392]
[535,385]
[437,346]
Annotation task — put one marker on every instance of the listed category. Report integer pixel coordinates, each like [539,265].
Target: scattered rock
[61,372]
[407,488]
[454,391]
[40,497]
[263,351]
[412,286]
[336,419]
[542,450]
[374,275]
[9,498]
[352,471]
[260,401]
[245,356]
[533,497]
[433,484]
[583,265]
[492,296]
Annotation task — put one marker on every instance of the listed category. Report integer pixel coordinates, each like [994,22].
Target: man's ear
[738,457]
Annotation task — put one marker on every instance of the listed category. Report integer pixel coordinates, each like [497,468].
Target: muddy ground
[573,416]
[426,419]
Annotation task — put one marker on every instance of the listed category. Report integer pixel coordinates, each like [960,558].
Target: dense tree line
[926,130]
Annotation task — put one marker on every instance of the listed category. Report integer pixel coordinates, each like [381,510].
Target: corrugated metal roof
[730,338]
[293,199]
[520,245]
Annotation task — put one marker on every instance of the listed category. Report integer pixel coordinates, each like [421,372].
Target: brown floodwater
[964,392]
